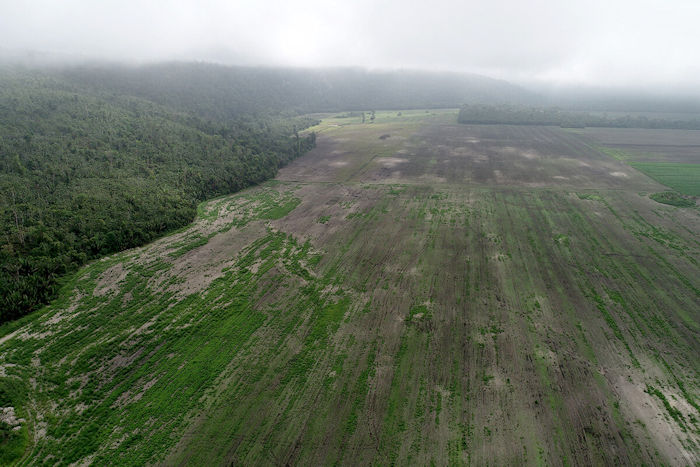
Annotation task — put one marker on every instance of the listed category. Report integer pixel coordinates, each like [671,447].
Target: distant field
[671,157]
[684,178]
[411,292]
[644,137]
[684,116]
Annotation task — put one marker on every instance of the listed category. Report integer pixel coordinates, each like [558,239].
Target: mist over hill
[223,91]
[218,91]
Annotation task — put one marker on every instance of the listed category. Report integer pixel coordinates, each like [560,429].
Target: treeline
[519,115]
[86,171]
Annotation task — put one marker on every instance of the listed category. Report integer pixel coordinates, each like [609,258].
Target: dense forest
[85,172]
[522,115]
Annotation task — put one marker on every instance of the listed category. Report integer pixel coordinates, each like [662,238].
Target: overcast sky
[646,43]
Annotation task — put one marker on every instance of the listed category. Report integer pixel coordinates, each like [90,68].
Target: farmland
[412,291]
[671,157]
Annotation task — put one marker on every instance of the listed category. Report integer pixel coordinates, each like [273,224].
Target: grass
[684,178]
[672,198]
[279,211]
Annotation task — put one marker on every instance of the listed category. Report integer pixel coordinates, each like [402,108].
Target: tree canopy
[85,172]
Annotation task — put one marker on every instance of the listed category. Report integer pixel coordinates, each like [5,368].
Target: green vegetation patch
[590,196]
[123,403]
[189,246]
[14,435]
[281,210]
[419,314]
[673,198]
[684,178]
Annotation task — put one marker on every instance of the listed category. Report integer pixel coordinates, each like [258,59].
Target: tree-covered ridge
[522,115]
[224,92]
[85,172]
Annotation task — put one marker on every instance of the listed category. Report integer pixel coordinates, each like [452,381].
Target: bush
[674,199]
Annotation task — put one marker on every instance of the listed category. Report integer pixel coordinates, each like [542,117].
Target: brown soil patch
[108,282]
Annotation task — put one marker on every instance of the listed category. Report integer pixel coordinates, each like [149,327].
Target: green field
[684,178]
[411,292]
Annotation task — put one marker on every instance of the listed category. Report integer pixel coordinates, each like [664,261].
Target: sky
[612,43]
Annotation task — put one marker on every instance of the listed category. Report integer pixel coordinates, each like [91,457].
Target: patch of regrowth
[418,313]
[13,428]
[673,198]
[562,239]
[589,196]
[281,210]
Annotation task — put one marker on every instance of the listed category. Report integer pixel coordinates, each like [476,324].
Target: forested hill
[85,172]
[223,92]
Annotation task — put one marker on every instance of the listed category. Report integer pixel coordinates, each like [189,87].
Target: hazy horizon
[644,46]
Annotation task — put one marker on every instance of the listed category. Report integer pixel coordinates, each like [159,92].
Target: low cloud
[623,43]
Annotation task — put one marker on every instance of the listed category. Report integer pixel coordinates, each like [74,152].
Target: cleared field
[649,145]
[412,291]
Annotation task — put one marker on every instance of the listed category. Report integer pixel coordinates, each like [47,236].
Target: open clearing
[446,294]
